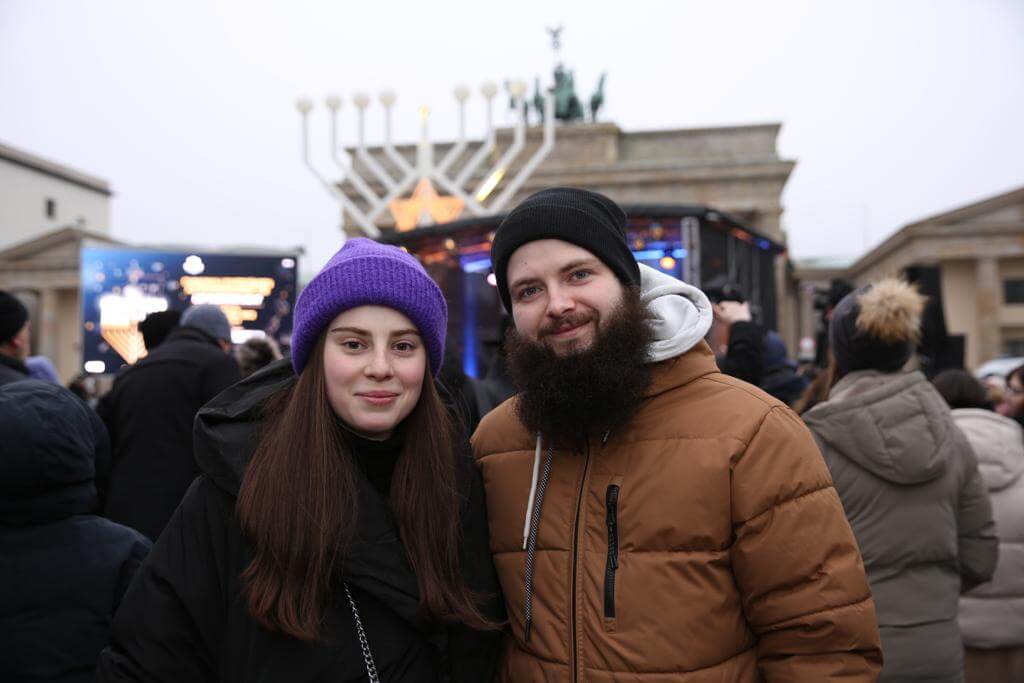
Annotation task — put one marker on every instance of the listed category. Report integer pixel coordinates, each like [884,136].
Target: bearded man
[652,519]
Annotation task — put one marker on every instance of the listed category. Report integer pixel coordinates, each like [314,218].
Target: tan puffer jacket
[701,542]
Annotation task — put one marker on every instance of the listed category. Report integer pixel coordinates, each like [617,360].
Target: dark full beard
[584,393]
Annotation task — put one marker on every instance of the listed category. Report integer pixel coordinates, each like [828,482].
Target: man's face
[561,294]
[19,345]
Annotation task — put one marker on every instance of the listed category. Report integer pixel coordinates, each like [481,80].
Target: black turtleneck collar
[377,459]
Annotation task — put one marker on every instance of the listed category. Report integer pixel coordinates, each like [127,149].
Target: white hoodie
[679,314]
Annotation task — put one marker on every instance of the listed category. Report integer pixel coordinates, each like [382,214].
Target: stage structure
[385,190]
[120,286]
[691,242]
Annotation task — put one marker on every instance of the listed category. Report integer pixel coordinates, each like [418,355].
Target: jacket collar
[681,370]
[192,334]
[14,364]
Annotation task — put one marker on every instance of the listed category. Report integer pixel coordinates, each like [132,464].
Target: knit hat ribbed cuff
[365,273]
[586,219]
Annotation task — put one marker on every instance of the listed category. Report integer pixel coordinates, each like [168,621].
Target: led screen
[121,286]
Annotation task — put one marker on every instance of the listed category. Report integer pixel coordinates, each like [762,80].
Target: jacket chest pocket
[611,500]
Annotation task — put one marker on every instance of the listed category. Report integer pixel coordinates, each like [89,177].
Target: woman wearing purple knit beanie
[338,531]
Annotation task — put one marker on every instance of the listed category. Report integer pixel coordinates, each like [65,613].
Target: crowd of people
[643,488]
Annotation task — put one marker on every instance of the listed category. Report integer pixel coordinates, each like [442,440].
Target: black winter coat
[12,370]
[183,619]
[63,570]
[744,358]
[149,413]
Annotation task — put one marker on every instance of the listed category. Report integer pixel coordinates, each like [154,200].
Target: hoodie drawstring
[533,490]
[533,512]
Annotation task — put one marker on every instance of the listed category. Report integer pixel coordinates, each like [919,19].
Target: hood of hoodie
[894,425]
[48,463]
[679,314]
[998,442]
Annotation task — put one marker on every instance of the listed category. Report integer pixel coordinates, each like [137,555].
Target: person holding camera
[738,342]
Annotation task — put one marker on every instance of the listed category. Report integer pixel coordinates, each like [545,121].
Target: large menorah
[427,170]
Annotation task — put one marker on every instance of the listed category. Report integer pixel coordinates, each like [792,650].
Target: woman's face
[1013,400]
[374,365]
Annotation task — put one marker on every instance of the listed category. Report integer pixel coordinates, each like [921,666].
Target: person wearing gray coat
[908,481]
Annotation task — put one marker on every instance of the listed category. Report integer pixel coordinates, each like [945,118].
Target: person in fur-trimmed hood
[652,520]
[908,480]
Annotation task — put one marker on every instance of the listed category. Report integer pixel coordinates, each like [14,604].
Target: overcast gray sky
[892,110]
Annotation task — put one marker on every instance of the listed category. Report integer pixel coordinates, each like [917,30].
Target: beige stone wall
[50,275]
[23,195]
[958,298]
[1011,316]
[68,357]
[696,145]
[975,255]
[735,169]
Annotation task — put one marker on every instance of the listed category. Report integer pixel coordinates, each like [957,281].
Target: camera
[720,288]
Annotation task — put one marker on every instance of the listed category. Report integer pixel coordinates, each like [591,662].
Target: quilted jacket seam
[681,671]
[827,608]
[773,506]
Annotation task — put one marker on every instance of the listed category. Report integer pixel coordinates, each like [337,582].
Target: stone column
[786,302]
[988,334]
[45,329]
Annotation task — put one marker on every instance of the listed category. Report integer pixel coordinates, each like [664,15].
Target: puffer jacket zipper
[575,563]
[611,518]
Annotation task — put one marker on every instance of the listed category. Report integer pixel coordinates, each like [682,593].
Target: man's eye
[579,274]
[527,292]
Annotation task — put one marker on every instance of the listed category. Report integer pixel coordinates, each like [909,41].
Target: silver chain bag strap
[371,668]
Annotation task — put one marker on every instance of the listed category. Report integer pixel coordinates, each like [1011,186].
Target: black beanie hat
[13,316]
[157,326]
[584,218]
[876,327]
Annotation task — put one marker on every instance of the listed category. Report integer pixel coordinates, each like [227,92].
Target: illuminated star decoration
[424,207]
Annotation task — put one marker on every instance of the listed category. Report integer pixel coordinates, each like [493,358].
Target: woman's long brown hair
[297,506]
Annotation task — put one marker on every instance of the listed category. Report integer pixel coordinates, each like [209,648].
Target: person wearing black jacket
[63,570]
[149,414]
[740,351]
[738,342]
[338,530]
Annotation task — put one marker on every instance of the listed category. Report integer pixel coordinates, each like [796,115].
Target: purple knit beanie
[366,273]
